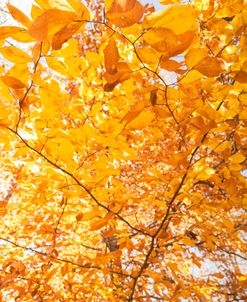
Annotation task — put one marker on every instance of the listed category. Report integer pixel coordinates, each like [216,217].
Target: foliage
[123,140]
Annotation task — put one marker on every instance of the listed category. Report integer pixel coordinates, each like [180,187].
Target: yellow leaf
[194,56]
[18,15]
[56,65]
[134,112]
[4,115]
[36,11]
[7,31]
[162,39]
[49,23]
[15,55]
[206,173]
[167,42]
[90,215]
[179,19]
[148,55]
[44,4]
[143,120]
[237,158]
[188,241]
[223,146]
[80,8]
[23,36]
[230,8]
[36,51]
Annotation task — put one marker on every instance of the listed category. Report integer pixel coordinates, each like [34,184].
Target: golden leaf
[15,55]
[7,31]
[179,19]
[237,158]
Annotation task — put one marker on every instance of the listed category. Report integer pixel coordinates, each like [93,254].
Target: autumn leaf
[64,34]
[124,13]
[111,56]
[12,82]
[49,23]
[123,151]
[7,31]
[179,19]
[15,55]
[210,66]
[18,15]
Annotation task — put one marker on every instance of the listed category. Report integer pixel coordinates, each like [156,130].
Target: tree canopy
[123,143]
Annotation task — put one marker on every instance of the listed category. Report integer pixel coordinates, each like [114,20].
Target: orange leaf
[18,15]
[80,8]
[134,112]
[125,13]
[170,65]
[121,73]
[111,56]
[12,82]
[64,34]
[36,51]
[98,224]
[210,66]
[50,22]
[241,76]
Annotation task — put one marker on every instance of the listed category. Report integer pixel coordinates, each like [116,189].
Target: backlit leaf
[18,15]
[237,158]
[12,82]
[125,13]
[50,22]
[7,31]
[210,66]
[177,18]
[15,55]
[64,34]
